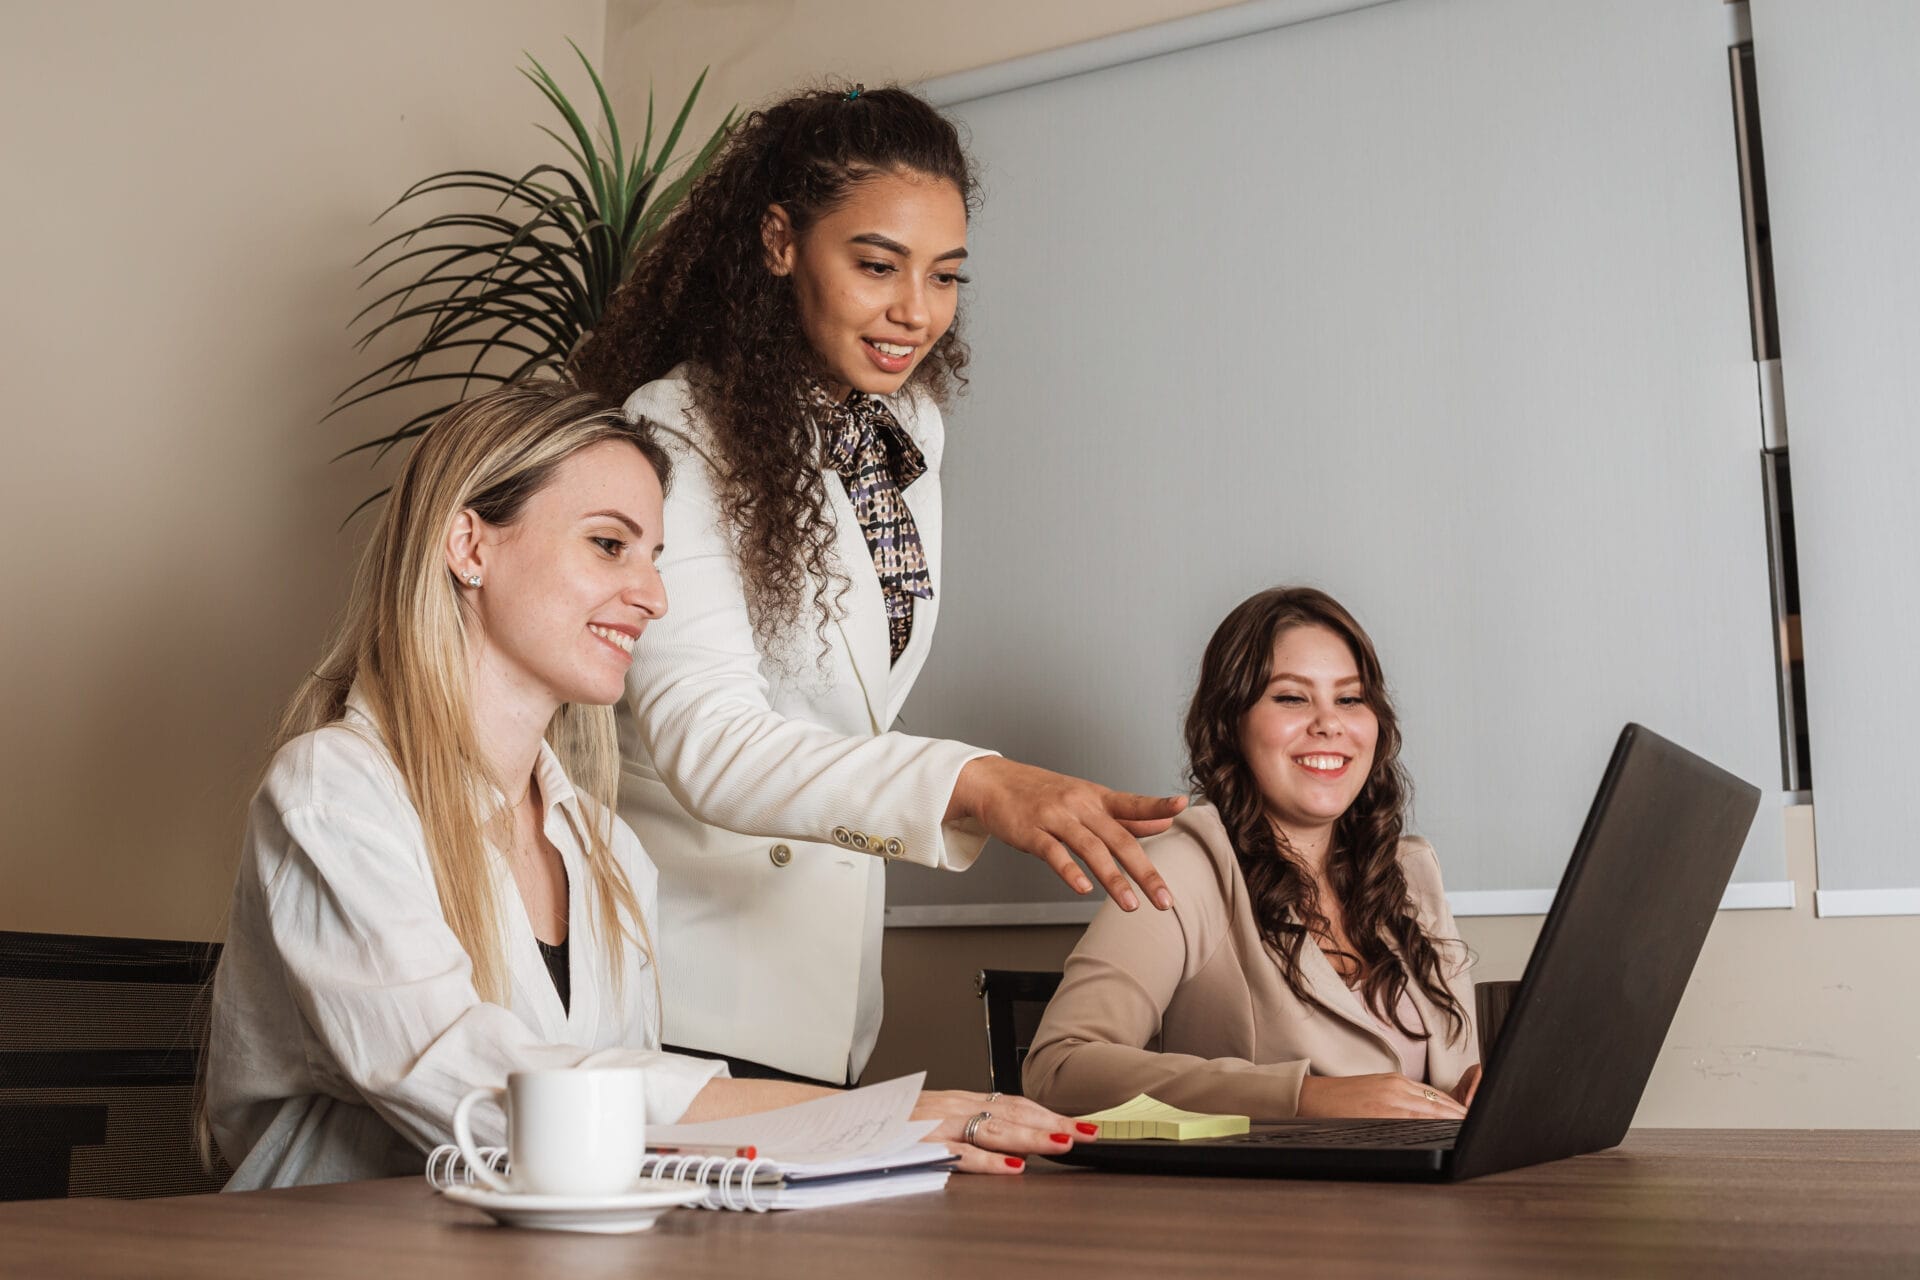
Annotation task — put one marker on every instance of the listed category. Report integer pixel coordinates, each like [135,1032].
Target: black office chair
[1016,998]
[1491,1003]
[99,1051]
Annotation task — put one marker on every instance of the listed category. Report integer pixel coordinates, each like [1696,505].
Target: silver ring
[993,1096]
[1431,1095]
[972,1126]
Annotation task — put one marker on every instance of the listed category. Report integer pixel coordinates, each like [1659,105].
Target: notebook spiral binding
[729,1180]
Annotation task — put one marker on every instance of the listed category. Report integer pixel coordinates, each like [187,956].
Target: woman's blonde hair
[403,644]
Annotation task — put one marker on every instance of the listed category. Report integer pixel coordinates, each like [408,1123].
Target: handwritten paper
[840,1133]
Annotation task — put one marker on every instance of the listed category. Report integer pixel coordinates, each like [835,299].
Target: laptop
[1588,1018]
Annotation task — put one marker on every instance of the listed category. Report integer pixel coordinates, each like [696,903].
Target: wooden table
[1667,1202]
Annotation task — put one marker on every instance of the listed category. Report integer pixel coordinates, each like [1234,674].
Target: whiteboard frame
[1752,895]
[1132,46]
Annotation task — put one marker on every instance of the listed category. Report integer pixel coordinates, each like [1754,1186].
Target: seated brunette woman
[434,890]
[1310,965]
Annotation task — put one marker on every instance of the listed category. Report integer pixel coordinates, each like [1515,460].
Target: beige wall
[189,187]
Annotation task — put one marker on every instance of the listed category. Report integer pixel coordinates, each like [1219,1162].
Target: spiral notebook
[845,1148]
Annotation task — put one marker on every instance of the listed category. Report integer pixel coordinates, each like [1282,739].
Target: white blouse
[345,1025]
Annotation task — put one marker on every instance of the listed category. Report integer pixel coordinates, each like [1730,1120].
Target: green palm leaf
[510,286]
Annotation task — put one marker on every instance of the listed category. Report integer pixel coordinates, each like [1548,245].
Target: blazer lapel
[923,501]
[1336,995]
[1446,1058]
[862,617]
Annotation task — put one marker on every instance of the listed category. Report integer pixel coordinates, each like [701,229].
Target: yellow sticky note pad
[1143,1117]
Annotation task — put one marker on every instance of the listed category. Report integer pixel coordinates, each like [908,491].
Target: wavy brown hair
[1363,860]
[704,293]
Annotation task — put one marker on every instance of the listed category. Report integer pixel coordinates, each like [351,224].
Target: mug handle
[478,1169]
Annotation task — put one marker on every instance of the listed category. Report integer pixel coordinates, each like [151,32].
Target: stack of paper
[1143,1117]
[846,1147]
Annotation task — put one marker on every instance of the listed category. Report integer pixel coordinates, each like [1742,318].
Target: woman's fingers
[1121,844]
[974,1160]
[1429,1103]
[1055,855]
[1112,856]
[1011,1138]
[1013,1129]
[1058,818]
[1093,852]
[1030,1113]
[1468,1086]
[1156,811]
[1059,851]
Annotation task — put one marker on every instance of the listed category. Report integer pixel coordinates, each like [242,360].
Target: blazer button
[860,840]
[781,855]
[893,847]
[842,836]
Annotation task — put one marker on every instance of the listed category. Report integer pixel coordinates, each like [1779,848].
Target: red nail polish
[1015,1162]
[1060,1137]
[1088,1129]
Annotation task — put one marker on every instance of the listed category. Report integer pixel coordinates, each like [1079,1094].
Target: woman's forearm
[720,1099]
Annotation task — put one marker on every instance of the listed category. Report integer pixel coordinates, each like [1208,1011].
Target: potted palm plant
[511,287]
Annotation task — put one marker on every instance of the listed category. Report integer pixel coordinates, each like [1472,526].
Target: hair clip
[855,92]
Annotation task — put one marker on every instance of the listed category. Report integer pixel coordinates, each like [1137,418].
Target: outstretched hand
[1013,1129]
[1058,818]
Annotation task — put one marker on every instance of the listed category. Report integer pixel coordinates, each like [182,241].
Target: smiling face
[876,279]
[1309,739]
[568,587]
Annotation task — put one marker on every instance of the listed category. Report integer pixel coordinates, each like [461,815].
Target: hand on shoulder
[1005,1129]
[1058,818]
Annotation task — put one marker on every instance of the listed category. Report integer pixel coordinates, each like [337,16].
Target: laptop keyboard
[1357,1133]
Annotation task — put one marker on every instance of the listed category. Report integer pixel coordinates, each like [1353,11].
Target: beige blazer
[767,787]
[1189,1005]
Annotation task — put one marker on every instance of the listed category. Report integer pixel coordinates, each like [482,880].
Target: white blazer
[344,1022]
[767,788]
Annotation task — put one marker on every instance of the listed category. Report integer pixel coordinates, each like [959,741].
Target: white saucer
[623,1214]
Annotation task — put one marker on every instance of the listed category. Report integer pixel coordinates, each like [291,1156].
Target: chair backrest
[1491,1001]
[1014,1000]
[99,1053]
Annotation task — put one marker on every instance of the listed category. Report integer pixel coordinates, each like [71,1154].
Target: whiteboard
[1439,306]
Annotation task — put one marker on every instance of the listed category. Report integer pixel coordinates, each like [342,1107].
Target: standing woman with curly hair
[1311,966]
[792,332]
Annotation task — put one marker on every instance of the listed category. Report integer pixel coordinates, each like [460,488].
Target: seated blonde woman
[1310,965]
[434,889]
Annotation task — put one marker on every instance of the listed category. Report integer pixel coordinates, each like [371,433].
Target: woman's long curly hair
[1363,862]
[704,292]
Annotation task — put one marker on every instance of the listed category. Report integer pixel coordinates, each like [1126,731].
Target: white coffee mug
[573,1131]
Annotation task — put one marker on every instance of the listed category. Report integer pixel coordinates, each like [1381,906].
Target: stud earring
[473,579]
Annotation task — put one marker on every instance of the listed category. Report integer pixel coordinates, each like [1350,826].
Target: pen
[705,1149]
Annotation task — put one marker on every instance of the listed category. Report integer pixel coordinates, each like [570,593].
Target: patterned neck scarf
[876,459]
